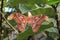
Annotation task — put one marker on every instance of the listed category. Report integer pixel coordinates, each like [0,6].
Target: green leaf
[13,3]
[47,11]
[52,29]
[45,23]
[53,21]
[44,27]
[52,2]
[52,32]
[50,12]
[23,8]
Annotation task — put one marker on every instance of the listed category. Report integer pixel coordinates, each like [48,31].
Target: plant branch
[10,24]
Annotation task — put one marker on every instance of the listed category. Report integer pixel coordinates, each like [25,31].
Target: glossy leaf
[52,32]
[24,9]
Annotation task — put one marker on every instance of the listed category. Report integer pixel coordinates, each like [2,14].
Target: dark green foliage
[29,5]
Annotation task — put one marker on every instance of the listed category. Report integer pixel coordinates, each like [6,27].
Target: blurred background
[48,30]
